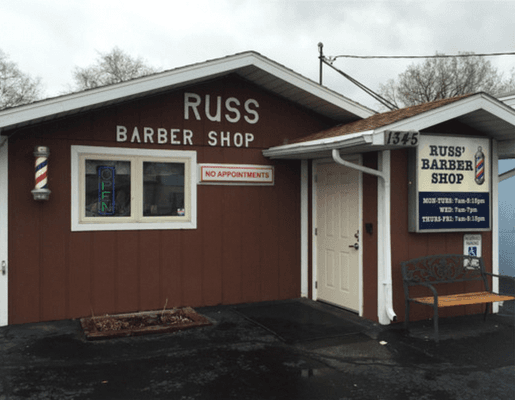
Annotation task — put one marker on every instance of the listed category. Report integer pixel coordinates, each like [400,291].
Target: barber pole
[480,166]
[41,191]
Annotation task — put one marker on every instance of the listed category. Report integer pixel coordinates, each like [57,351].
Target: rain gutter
[339,142]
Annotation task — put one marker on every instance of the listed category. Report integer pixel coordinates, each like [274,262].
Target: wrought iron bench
[435,270]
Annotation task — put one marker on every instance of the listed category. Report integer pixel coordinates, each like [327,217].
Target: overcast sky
[49,38]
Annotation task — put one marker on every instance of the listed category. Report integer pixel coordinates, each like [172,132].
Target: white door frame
[304,234]
[358,160]
[3,231]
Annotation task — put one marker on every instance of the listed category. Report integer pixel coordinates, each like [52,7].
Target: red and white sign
[237,174]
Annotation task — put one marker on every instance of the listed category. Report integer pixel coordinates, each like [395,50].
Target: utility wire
[369,91]
[434,56]
[330,60]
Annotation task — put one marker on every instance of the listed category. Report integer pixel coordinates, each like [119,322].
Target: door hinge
[316,231]
[4,267]
[316,178]
[316,284]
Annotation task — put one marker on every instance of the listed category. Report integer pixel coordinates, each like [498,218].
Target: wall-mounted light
[41,191]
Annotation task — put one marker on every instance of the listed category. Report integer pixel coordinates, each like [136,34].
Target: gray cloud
[49,38]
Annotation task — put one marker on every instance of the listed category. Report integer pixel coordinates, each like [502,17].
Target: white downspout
[496,178]
[304,238]
[385,221]
[385,311]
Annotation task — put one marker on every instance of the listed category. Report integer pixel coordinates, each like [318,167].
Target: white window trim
[77,225]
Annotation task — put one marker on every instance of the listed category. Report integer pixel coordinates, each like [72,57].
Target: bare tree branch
[16,88]
[444,77]
[113,67]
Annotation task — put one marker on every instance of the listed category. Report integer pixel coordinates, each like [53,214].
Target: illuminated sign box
[236,174]
[449,184]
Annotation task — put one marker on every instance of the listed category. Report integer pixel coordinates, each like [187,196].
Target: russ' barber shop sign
[450,184]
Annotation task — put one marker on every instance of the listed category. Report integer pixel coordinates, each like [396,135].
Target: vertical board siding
[150,250]
[24,238]
[251,246]
[406,245]
[128,267]
[245,248]
[210,202]
[370,240]
[289,230]
[171,282]
[271,243]
[103,283]
[80,273]
[192,267]
[232,254]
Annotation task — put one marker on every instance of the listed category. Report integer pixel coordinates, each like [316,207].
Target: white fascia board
[109,93]
[454,110]
[338,142]
[178,76]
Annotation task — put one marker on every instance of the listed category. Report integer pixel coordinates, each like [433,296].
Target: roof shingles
[378,120]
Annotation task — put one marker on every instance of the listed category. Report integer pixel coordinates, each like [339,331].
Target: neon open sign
[106,190]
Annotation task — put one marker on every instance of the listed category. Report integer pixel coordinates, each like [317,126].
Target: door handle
[355,245]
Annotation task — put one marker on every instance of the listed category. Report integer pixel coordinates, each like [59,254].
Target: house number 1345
[401,138]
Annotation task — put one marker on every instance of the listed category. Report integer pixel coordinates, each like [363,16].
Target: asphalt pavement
[238,359]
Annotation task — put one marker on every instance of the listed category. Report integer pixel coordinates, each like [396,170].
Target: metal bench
[435,270]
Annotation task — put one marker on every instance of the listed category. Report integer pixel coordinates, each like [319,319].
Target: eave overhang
[481,112]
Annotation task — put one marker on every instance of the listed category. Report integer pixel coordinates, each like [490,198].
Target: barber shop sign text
[450,184]
[211,108]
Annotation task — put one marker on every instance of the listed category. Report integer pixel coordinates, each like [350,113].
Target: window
[125,189]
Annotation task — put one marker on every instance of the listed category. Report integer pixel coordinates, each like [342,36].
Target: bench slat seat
[463,299]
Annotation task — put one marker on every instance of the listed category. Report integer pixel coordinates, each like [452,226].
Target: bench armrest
[432,288]
[500,276]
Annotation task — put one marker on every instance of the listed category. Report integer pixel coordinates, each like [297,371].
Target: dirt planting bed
[112,326]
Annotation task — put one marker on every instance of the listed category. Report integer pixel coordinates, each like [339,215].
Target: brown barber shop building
[235,181]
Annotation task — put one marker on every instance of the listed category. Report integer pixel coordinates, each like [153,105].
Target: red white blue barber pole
[41,191]
[479,159]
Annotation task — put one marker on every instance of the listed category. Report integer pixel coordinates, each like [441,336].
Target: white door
[338,255]
[3,232]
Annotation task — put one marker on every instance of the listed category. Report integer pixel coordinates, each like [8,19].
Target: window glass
[163,189]
[108,188]
[132,189]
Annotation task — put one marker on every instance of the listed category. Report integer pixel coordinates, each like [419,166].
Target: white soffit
[249,65]
[481,112]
